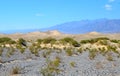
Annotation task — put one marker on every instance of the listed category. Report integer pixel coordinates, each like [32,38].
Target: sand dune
[56,34]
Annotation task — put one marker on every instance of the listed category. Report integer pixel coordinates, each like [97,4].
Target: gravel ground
[31,65]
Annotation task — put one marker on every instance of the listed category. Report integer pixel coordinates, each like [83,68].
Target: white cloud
[39,14]
[108,7]
[111,1]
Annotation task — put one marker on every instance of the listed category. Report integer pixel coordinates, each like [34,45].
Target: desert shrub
[39,41]
[46,72]
[80,50]
[56,62]
[35,52]
[5,40]
[31,48]
[72,64]
[21,49]
[51,68]
[115,41]
[11,42]
[46,53]
[16,70]
[69,52]
[112,48]
[109,58]
[102,38]
[22,42]
[93,40]
[75,43]
[92,53]
[84,41]
[103,51]
[103,42]
[70,41]
[49,40]
[67,39]
[88,41]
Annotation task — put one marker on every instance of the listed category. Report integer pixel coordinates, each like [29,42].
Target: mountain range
[79,27]
[85,26]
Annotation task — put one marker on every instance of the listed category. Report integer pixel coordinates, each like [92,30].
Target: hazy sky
[30,14]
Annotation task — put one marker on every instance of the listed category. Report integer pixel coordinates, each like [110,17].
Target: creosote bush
[49,40]
[70,41]
[115,41]
[5,40]
[93,40]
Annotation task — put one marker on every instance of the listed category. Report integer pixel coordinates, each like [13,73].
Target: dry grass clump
[109,57]
[72,64]
[46,53]
[80,50]
[16,70]
[92,53]
[10,51]
[20,48]
[69,51]
[34,50]
[52,67]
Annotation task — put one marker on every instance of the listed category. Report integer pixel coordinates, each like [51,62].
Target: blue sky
[35,14]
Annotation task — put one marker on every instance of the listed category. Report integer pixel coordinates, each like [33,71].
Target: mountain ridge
[102,25]
[86,26]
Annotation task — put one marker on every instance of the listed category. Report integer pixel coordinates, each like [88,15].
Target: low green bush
[69,52]
[5,40]
[70,41]
[22,42]
[49,40]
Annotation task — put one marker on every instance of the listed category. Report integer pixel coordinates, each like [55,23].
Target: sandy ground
[58,35]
